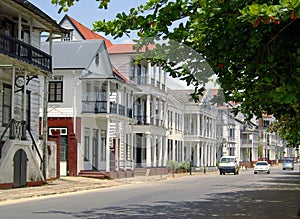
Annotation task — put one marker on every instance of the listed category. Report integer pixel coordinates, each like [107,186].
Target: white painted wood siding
[122,63]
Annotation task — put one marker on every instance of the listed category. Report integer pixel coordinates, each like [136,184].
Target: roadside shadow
[240,204]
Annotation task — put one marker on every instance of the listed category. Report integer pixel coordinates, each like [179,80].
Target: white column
[154,159]
[173,149]
[132,150]
[214,155]
[24,97]
[182,151]
[202,155]
[165,80]
[160,151]
[108,97]
[159,115]
[205,154]
[209,153]
[148,150]
[165,151]
[165,118]
[154,75]
[149,73]
[198,124]
[13,94]
[107,164]
[117,152]
[148,111]
[154,115]
[197,154]
[159,73]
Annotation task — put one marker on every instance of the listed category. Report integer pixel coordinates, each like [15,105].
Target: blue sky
[87,11]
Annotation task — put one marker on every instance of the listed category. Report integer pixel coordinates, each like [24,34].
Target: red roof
[119,74]
[125,48]
[87,33]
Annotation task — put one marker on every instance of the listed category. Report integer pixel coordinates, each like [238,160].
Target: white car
[229,164]
[262,166]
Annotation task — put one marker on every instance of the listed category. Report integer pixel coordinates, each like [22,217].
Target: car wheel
[221,173]
[292,168]
[268,172]
[255,172]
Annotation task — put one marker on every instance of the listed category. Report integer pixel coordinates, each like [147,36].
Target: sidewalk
[74,184]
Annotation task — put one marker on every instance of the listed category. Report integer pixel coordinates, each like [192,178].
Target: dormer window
[69,36]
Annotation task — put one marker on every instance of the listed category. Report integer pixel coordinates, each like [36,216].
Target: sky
[87,11]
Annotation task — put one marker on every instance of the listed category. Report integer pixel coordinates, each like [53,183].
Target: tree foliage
[252,46]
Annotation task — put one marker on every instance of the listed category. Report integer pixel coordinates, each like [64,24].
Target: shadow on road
[274,198]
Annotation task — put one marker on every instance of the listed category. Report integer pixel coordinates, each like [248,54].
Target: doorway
[20,169]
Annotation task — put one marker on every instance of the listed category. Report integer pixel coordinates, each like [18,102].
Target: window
[132,73]
[68,36]
[231,133]
[86,144]
[63,148]
[103,145]
[56,89]
[6,116]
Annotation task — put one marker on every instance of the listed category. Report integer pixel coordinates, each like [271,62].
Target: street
[275,195]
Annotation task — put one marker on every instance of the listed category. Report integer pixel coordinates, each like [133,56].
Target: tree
[252,47]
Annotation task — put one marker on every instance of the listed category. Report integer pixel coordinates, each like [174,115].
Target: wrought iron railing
[25,52]
[101,107]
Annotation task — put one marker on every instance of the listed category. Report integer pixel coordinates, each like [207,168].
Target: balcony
[25,52]
[101,107]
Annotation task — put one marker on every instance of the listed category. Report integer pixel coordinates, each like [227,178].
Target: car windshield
[288,161]
[261,163]
[227,160]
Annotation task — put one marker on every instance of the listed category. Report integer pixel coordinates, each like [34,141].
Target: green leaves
[264,13]
[252,47]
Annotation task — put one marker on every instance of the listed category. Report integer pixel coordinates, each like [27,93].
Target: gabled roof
[184,97]
[73,54]
[85,32]
[36,13]
[118,74]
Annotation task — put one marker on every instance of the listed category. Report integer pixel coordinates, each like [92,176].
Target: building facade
[22,64]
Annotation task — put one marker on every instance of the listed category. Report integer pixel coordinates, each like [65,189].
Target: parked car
[229,164]
[288,163]
[261,167]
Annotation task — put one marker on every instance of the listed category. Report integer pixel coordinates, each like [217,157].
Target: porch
[17,49]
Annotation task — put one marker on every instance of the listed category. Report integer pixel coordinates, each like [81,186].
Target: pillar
[148,150]
[107,164]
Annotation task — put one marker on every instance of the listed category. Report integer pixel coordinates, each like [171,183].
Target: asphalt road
[275,195]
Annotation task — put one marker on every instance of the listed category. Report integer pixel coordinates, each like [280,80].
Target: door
[95,155]
[138,147]
[20,169]
[63,155]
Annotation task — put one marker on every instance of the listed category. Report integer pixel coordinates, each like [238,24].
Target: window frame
[53,93]
[8,106]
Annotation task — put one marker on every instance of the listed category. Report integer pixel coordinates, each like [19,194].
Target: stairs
[140,171]
[93,174]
